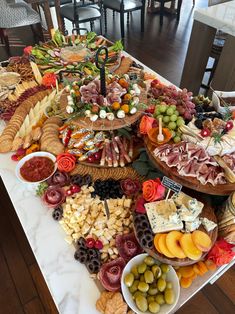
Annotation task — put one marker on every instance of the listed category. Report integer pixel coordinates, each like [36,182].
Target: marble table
[71,287]
[206,22]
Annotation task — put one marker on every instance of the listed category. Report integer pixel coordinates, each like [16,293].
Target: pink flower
[28,50]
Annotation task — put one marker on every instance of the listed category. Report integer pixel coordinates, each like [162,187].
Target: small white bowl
[26,158]
[170,276]
[216,101]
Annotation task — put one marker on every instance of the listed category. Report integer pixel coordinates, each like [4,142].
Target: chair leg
[122,24]
[101,27]
[161,11]
[179,9]
[92,25]
[128,18]
[105,19]
[142,18]
[4,38]
[62,22]
[113,13]
[37,32]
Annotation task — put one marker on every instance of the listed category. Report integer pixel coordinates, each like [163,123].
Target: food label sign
[172,185]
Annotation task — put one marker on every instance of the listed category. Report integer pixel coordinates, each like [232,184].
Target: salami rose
[127,246]
[54,196]
[59,178]
[130,187]
[153,190]
[110,274]
[146,124]
[66,162]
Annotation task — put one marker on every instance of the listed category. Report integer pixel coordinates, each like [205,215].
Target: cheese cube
[190,226]
[208,224]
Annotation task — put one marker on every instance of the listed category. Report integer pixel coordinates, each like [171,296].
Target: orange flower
[49,80]
[221,253]
[66,162]
[153,190]
[146,124]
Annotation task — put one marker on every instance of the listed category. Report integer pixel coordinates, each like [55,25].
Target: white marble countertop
[220,16]
[71,287]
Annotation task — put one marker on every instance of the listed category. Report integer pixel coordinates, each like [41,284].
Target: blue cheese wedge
[163,216]
[190,212]
[190,226]
[208,224]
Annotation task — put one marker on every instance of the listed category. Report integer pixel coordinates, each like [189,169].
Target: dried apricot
[116,105]
[127,97]
[125,108]
[202,267]
[123,83]
[210,265]
[185,282]
[186,271]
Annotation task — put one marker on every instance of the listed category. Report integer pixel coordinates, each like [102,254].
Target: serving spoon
[160,136]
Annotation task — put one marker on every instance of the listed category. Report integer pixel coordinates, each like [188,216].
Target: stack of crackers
[112,303]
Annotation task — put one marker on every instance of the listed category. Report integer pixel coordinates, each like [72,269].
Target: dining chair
[81,12]
[18,14]
[122,7]
[162,6]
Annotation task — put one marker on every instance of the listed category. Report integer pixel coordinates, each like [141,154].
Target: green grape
[173,118]
[170,112]
[160,116]
[172,125]
[162,108]
[173,133]
[166,119]
[180,121]
[177,113]
[176,139]
[173,107]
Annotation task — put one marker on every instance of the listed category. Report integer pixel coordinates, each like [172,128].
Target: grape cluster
[90,257]
[108,189]
[80,180]
[202,104]
[180,98]
[170,119]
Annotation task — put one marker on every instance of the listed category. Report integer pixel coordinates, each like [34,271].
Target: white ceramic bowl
[26,158]
[171,276]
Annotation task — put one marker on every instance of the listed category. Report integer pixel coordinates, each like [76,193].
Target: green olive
[156,271]
[142,268]
[149,261]
[153,290]
[135,295]
[148,276]
[141,303]
[134,271]
[129,279]
[143,286]
[142,278]
[169,285]
[169,296]
[163,276]
[165,268]
[134,287]
[161,284]
[154,307]
[150,298]
[160,299]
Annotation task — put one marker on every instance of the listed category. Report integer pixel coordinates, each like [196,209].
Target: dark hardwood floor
[22,287]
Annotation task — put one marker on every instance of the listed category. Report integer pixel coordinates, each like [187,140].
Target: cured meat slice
[127,246]
[110,274]
[172,160]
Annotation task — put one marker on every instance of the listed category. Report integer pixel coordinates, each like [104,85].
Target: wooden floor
[22,287]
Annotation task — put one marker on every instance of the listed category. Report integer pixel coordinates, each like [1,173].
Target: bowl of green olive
[149,286]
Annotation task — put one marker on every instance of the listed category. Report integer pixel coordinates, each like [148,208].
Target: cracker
[102,301]
[116,305]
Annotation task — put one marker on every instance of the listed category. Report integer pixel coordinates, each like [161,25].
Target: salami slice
[110,274]
[127,246]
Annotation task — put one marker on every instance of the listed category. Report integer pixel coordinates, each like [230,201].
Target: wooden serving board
[103,124]
[189,182]
[207,212]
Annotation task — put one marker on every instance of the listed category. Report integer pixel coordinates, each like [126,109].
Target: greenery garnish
[42,187]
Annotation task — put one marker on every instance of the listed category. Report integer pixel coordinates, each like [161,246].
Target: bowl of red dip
[36,167]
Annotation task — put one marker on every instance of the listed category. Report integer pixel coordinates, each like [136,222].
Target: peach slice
[155,241]
[186,271]
[201,240]
[185,282]
[173,245]
[162,246]
[190,250]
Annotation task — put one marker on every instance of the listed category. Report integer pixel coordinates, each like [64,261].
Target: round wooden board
[190,182]
[207,212]
[103,124]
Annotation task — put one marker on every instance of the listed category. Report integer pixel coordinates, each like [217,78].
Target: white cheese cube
[190,226]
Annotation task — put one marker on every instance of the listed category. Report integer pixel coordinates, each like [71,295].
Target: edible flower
[153,190]
[53,196]
[28,50]
[146,124]
[130,187]
[66,162]
[221,253]
[205,132]
[49,80]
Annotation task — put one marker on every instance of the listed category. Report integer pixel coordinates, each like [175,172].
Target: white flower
[136,89]
[69,109]
[120,114]
[135,100]
[110,116]
[70,103]
[67,88]
[94,117]
[69,98]
[72,91]
[133,110]
[132,92]
[103,114]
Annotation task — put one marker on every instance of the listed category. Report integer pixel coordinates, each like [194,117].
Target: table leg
[199,49]
[224,77]
[57,9]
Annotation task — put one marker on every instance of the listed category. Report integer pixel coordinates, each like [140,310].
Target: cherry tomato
[75,188]
[90,243]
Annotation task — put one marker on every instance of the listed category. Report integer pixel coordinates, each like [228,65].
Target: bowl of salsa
[36,167]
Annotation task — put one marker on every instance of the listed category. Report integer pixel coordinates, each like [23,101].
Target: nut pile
[84,215]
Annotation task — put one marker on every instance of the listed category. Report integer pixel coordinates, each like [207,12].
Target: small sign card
[172,185]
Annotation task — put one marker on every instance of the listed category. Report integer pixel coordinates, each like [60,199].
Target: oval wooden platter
[189,182]
[207,212]
[103,124]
